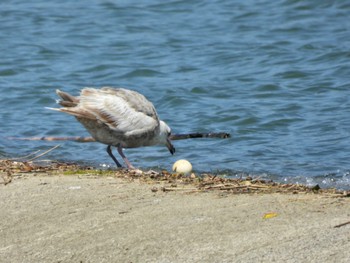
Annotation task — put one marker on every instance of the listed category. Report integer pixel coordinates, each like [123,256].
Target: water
[275,74]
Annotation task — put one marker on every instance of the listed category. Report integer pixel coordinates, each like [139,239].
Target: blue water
[275,74]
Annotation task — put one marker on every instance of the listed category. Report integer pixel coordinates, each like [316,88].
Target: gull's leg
[120,151]
[109,151]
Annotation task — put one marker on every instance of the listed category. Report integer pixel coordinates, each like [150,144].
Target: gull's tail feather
[77,112]
[56,109]
[67,99]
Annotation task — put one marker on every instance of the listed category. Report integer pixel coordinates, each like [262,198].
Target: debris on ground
[161,180]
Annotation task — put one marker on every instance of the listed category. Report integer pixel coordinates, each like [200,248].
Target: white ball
[182,167]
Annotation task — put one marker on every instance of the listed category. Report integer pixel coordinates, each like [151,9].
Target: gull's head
[164,133]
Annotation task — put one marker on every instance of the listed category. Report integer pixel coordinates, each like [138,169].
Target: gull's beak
[170,146]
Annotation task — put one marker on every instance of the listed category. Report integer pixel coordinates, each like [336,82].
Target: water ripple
[273,73]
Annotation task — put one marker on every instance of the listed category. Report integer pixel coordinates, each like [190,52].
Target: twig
[169,189]
[42,154]
[24,157]
[343,224]
[215,186]
[258,186]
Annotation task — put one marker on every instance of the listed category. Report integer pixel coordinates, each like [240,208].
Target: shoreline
[54,216]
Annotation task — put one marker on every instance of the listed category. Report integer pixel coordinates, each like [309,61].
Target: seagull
[117,117]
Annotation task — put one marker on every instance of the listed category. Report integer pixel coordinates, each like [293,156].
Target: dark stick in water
[220,135]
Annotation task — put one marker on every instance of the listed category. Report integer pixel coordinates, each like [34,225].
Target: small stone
[154,189]
[138,172]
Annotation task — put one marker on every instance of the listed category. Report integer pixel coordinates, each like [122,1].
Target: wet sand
[106,219]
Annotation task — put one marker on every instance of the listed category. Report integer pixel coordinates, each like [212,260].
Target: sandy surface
[71,219]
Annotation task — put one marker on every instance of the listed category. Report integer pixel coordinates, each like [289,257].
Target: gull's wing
[124,111]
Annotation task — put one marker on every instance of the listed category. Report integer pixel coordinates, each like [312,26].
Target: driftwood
[220,135]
